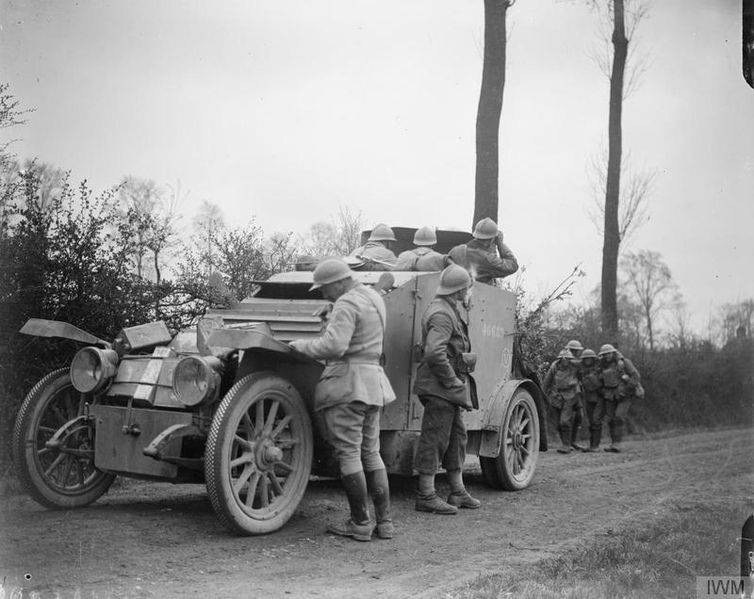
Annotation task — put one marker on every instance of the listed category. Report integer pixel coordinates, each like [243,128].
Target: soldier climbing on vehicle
[620,383]
[376,253]
[422,257]
[486,257]
[564,377]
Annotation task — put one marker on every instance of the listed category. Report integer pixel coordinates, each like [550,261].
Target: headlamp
[92,368]
[196,380]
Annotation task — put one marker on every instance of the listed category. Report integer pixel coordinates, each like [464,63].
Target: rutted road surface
[158,540]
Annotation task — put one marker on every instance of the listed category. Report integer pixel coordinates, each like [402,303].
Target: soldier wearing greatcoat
[422,257]
[445,389]
[350,393]
[486,257]
[594,404]
[377,250]
[620,383]
[561,385]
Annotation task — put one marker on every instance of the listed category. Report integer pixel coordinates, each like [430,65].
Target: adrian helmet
[452,279]
[329,271]
[382,232]
[485,229]
[425,236]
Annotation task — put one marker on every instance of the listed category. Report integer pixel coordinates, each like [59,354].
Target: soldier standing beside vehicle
[351,391]
[620,383]
[445,390]
[376,251]
[486,257]
[563,375]
[594,404]
[422,257]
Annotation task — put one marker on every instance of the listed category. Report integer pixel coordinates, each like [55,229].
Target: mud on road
[158,540]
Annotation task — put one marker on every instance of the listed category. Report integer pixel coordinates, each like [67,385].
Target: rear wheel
[513,469]
[63,476]
[258,454]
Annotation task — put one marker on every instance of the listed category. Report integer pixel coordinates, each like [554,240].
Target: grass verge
[661,558]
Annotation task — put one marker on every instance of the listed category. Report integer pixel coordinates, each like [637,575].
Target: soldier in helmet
[445,390]
[591,383]
[620,381]
[422,257]
[351,391]
[376,251]
[574,348]
[480,255]
[561,384]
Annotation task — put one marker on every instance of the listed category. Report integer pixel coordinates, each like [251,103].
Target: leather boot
[594,440]
[359,526]
[574,438]
[427,499]
[565,439]
[379,490]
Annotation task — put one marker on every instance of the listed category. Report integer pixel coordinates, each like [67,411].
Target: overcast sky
[284,110]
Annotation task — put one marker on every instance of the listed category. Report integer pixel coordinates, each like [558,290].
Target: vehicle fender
[40,327]
[492,427]
[254,339]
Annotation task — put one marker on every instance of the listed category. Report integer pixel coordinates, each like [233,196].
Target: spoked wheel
[259,454]
[513,469]
[60,474]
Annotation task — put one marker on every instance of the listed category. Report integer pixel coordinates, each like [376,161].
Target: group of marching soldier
[353,386]
[601,384]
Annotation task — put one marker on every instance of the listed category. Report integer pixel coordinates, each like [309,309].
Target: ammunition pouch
[468,362]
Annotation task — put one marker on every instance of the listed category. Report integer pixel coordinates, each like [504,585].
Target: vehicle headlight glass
[196,380]
[92,368]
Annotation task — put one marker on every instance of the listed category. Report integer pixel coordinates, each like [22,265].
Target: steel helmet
[588,353]
[425,236]
[564,353]
[328,271]
[573,344]
[452,279]
[606,349]
[485,229]
[382,232]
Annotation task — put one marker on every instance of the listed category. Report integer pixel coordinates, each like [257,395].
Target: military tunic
[444,387]
[353,386]
[376,250]
[591,383]
[484,264]
[620,379]
[422,259]
[563,399]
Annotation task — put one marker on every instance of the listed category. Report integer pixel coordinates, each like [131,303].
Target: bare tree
[486,200]
[337,237]
[649,282]
[208,224]
[633,211]
[736,319]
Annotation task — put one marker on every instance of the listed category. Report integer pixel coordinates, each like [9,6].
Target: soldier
[422,257]
[376,250]
[563,374]
[480,255]
[350,393]
[620,382]
[442,384]
[591,383]
[574,348]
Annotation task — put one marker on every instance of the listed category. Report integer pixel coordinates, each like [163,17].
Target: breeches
[595,411]
[567,412]
[353,429]
[616,412]
[443,437]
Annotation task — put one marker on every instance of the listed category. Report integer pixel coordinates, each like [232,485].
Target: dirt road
[158,540]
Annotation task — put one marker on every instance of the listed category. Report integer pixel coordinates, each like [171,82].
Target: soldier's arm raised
[334,341]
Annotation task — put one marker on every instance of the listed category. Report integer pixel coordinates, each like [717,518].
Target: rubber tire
[219,444]
[497,471]
[24,438]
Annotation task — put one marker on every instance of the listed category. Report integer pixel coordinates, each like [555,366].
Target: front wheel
[63,476]
[513,469]
[258,454]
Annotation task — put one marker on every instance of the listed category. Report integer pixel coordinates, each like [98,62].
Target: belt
[373,361]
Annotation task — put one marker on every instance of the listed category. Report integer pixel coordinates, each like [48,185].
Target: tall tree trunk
[490,107]
[612,189]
